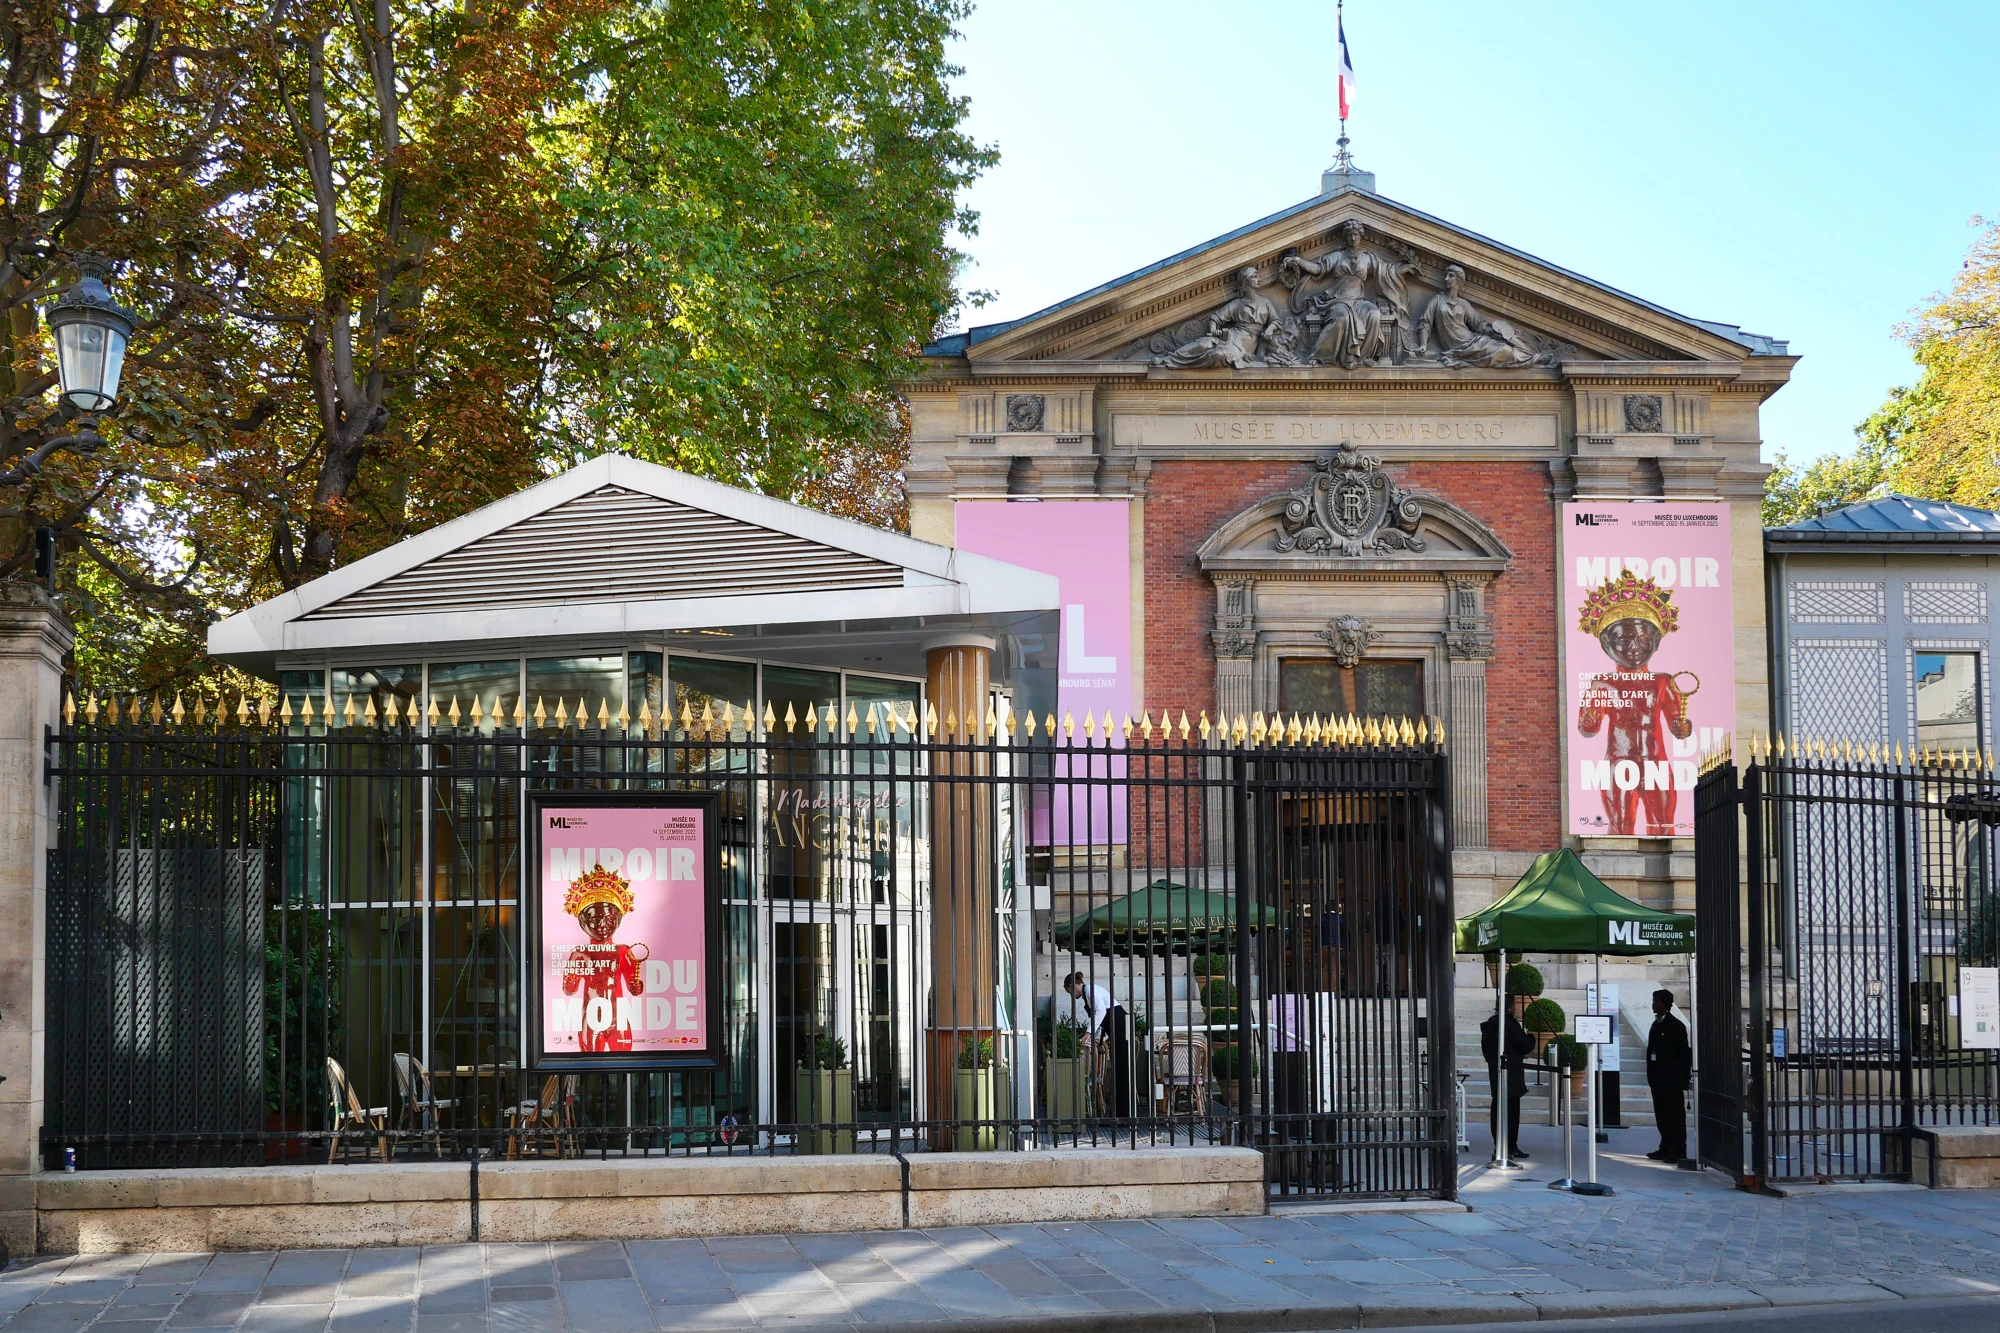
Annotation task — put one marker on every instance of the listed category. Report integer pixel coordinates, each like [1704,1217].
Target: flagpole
[1343,161]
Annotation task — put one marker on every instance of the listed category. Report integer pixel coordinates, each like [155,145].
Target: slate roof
[958,344]
[1893,520]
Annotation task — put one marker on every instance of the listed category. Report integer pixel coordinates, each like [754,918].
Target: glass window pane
[645,687]
[722,689]
[1389,689]
[298,686]
[591,686]
[496,686]
[1948,712]
[799,819]
[394,691]
[699,684]
[1307,686]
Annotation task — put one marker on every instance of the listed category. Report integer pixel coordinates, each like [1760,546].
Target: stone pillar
[1468,645]
[1235,639]
[958,677]
[34,638]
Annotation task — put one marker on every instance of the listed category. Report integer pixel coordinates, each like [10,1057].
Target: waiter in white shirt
[1090,1005]
[1105,1020]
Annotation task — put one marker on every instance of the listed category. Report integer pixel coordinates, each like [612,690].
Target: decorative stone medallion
[1024,412]
[1643,413]
[1350,507]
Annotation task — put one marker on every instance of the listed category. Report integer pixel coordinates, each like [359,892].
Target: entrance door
[851,976]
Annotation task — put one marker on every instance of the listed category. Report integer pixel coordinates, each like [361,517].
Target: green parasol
[1161,909]
[1560,907]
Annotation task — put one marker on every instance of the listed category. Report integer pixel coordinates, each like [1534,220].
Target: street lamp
[91,330]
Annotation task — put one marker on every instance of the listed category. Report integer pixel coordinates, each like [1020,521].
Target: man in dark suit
[1669,1068]
[1519,1043]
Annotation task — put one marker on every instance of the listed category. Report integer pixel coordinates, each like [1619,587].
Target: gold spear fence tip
[478,715]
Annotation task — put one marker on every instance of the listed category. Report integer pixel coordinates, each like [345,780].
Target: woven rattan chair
[349,1119]
[1182,1059]
[420,1104]
[536,1127]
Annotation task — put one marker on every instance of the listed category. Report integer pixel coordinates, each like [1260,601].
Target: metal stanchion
[1590,1185]
[1568,1180]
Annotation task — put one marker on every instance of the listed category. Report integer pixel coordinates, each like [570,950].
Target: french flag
[1346,71]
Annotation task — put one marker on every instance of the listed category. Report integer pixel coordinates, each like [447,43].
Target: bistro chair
[536,1127]
[420,1103]
[1182,1059]
[349,1118]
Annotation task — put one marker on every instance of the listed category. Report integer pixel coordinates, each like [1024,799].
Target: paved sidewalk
[1669,1241]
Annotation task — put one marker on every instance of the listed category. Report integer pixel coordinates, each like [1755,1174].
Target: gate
[1869,918]
[299,935]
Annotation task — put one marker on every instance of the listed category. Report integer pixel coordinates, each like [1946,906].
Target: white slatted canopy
[616,548]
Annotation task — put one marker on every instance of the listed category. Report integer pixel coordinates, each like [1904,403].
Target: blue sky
[1807,171]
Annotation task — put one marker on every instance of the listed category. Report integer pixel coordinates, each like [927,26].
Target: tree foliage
[393,260]
[1938,439]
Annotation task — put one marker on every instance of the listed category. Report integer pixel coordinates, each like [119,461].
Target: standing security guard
[1669,1070]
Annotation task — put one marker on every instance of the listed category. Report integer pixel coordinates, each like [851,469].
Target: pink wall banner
[623,912]
[1649,629]
[1087,545]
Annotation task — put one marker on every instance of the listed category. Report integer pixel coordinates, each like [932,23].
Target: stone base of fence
[430,1203]
[1967,1157]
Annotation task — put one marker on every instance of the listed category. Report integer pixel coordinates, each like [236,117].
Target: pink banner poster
[623,916]
[1649,629]
[1087,545]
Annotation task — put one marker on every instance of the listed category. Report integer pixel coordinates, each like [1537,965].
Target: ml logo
[1625,932]
[564,821]
[1588,520]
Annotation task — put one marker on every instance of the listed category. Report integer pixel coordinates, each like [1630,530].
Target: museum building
[1335,445]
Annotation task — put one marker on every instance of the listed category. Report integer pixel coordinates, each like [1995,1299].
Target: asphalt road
[1958,1315]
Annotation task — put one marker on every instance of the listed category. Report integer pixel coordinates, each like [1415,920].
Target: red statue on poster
[1629,616]
[608,974]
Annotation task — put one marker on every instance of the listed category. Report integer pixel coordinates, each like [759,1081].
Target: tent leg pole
[1501,1129]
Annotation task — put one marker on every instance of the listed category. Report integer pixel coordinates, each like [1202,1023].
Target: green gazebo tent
[1160,911]
[1560,907]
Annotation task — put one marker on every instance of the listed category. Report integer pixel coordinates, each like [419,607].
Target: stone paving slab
[1668,1241]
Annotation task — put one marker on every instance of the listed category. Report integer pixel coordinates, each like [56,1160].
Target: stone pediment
[1351,283]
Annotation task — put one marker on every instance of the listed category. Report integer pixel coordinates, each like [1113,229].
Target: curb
[1474,1308]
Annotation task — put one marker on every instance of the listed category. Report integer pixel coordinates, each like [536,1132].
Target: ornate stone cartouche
[1350,508]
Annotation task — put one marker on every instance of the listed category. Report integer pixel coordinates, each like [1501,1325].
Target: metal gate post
[1906,1026]
[1442,1025]
[1245,1000]
[1758,957]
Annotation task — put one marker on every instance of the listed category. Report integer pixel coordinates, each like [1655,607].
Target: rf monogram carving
[1350,508]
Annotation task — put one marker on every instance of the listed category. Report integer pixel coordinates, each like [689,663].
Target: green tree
[394,259]
[1938,439]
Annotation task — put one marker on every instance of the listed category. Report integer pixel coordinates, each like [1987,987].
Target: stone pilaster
[34,638]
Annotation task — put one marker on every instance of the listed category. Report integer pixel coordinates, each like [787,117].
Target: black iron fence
[1868,912]
[302,936]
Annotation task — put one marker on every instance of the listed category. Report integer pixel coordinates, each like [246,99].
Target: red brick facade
[1186,502]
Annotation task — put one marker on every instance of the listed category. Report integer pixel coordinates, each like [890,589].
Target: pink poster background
[660,851]
[1087,545]
[1684,548]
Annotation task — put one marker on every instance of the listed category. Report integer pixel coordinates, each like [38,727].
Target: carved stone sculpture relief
[1234,635]
[1025,411]
[1249,329]
[1349,637]
[1355,306]
[1351,508]
[1643,413]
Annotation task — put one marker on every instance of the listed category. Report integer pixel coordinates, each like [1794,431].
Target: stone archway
[1351,569]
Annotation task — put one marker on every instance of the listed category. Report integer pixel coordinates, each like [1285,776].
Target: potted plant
[1227,1064]
[1543,1018]
[973,1096]
[1217,993]
[1524,979]
[1067,1072]
[825,1096]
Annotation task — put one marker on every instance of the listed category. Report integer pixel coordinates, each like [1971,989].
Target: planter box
[1068,1087]
[974,1098]
[825,1096]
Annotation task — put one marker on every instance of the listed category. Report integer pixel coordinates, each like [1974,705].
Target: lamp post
[91,330]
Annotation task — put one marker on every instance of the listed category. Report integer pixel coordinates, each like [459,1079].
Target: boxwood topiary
[1524,979]
[1544,1016]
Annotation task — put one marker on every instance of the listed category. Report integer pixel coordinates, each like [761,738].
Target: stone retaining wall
[429,1203]
[1968,1157]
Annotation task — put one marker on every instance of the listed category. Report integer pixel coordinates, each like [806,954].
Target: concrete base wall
[1968,1158]
[422,1203]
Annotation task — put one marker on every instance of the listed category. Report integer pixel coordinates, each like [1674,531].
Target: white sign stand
[1979,1008]
[1593,1031]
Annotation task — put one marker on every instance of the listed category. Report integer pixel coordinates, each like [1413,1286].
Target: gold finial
[284,711]
[1989,759]
[687,717]
[1257,728]
[1203,726]
[478,715]
[992,722]
[158,714]
[604,714]
[1089,725]
[1371,733]
[791,718]
[562,712]
[542,712]
[179,712]
[645,717]
[1125,729]
[69,708]
[930,720]
[200,711]
[1069,725]
[853,719]
[1009,721]
[707,717]
[812,718]
[1028,724]
[1438,731]
[1186,730]
[1424,730]
[90,709]
[369,714]
[1409,732]
[452,714]
[728,716]
[1313,732]
[1146,723]
[1240,731]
